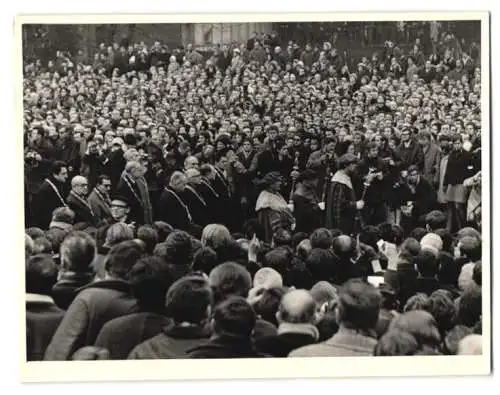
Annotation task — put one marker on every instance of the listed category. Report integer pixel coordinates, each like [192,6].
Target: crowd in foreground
[259,203]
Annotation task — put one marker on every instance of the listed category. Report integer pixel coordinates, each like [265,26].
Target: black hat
[121,198]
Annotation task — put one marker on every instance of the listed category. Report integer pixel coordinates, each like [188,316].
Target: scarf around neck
[273,201]
[341,177]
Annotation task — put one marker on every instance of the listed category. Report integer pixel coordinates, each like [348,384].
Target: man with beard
[50,195]
[342,207]
[77,201]
[307,206]
[373,169]
[193,198]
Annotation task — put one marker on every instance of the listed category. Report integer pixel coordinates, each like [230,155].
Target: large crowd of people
[180,205]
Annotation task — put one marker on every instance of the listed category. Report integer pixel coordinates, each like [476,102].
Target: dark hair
[63,214]
[188,299]
[122,257]
[251,227]
[149,236]
[282,237]
[322,265]
[442,309]
[41,274]
[34,233]
[477,273]
[150,280]
[298,237]
[421,324]
[418,233]
[280,259]
[472,250]
[229,279]
[359,305]
[163,230]
[321,238]
[385,232]
[78,251]
[234,316]
[446,238]
[204,260]
[396,343]
[298,275]
[267,306]
[179,248]
[101,178]
[470,307]
[435,220]
[427,263]
[370,235]
[56,167]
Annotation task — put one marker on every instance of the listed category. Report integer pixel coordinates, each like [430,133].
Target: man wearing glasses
[99,199]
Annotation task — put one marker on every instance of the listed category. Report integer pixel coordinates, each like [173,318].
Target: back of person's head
[470,247]
[267,304]
[234,317]
[63,214]
[90,353]
[42,245]
[150,280]
[468,232]
[163,230]
[303,249]
[266,278]
[418,233]
[358,305]
[396,343]
[149,236]
[280,259]
[344,248]
[435,220]
[427,263]
[322,265]
[323,292]
[56,236]
[446,238]
[370,235]
[443,310]
[432,242]
[453,338]
[416,302]
[298,238]
[229,279]
[77,252]
[282,238]
[470,307]
[215,236]
[29,246]
[297,307]
[298,275]
[34,233]
[409,249]
[204,260]
[117,233]
[471,345]
[179,248]
[41,274]
[385,232]
[397,235]
[477,273]
[321,238]
[189,299]
[121,258]
[421,325]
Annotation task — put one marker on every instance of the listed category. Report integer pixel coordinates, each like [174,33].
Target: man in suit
[193,198]
[99,199]
[133,187]
[173,208]
[208,192]
[50,195]
[77,201]
[409,151]
[432,158]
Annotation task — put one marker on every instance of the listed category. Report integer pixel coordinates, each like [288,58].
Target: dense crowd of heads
[223,290]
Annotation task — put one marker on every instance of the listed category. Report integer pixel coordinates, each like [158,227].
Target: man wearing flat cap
[307,206]
[342,207]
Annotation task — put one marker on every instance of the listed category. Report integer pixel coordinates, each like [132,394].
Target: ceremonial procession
[257,190]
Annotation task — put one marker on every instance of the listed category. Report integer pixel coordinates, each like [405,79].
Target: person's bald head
[80,185]
[297,307]
[471,345]
[193,176]
[344,246]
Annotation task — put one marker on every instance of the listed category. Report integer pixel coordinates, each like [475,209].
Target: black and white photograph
[256,190]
